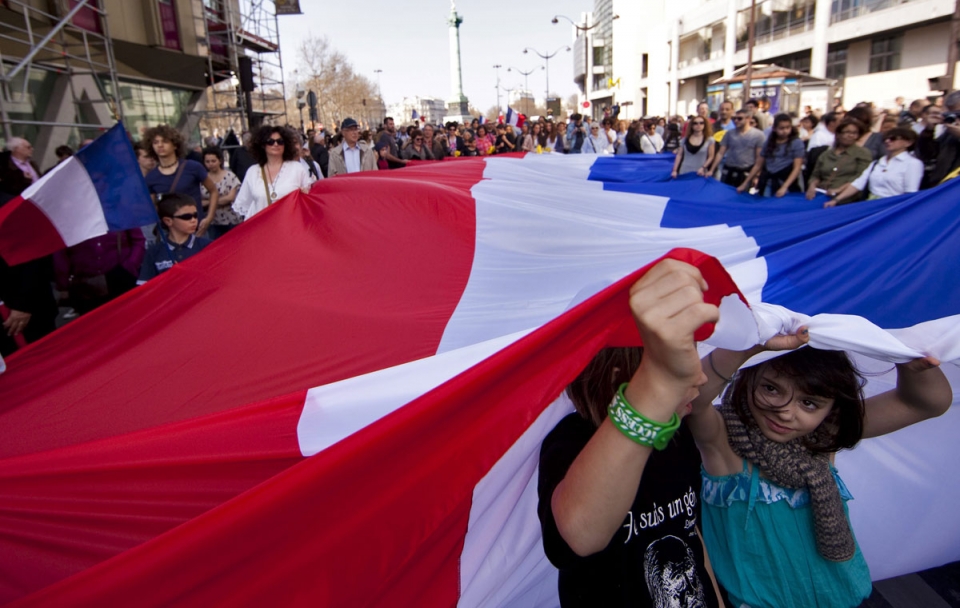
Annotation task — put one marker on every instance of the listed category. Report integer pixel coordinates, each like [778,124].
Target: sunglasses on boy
[187,216]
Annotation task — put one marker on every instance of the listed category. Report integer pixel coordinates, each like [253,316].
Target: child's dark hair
[593,390]
[825,373]
[173,202]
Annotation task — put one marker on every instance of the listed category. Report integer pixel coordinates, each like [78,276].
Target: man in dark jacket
[319,152]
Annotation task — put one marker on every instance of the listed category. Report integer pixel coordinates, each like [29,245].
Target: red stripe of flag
[279,305]
[379,518]
[26,233]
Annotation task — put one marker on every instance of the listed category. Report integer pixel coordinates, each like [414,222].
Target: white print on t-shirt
[656,516]
[670,569]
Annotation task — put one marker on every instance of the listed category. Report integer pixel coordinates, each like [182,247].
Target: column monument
[457,105]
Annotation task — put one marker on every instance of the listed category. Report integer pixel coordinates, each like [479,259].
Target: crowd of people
[853,155]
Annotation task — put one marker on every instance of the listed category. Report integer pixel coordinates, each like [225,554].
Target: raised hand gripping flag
[366,426]
[99,189]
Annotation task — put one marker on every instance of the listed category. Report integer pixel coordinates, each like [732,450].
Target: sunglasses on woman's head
[274,142]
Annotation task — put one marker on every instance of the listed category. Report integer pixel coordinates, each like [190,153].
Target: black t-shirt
[656,558]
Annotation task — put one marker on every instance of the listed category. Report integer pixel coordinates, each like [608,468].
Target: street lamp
[546,58]
[301,102]
[383,108]
[497,68]
[525,86]
[582,29]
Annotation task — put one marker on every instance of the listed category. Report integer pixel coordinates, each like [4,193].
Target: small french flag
[514,118]
[415,116]
[482,120]
[98,190]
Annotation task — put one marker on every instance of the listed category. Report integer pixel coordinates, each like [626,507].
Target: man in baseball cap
[349,156]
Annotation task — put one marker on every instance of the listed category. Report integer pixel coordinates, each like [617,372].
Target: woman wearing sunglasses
[278,171]
[896,173]
[415,148]
[695,154]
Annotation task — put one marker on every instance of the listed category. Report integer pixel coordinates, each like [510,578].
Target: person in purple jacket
[93,272]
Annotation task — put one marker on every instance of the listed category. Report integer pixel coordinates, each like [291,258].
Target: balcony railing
[841,10]
[772,24]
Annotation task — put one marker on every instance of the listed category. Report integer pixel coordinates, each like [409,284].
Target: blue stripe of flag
[893,261]
[112,165]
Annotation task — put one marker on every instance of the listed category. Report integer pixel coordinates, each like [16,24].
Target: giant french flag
[341,402]
[98,190]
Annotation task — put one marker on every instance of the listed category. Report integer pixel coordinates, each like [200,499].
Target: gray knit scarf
[793,465]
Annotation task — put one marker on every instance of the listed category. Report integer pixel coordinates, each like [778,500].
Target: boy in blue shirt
[178,216]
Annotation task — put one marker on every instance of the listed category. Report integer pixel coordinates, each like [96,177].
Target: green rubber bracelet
[638,427]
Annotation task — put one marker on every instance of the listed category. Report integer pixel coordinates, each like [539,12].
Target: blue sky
[409,41]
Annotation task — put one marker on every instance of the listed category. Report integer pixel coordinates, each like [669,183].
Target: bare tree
[341,92]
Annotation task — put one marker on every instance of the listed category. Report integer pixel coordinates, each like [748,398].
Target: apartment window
[168,24]
[599,82]
[598,55]
[645,65]
[643,101]
[837,63]
[885,54]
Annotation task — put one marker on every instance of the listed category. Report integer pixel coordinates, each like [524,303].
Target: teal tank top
[760,538]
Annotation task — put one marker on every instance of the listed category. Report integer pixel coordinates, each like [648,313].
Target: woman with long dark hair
[553,139]
[780,160]
[632,138]
[278,171]
[695,154]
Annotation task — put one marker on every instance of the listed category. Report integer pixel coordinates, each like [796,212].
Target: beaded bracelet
[638,427]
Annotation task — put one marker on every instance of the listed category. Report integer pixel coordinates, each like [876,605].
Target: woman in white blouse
[896,173]
[278,171]
[651,142]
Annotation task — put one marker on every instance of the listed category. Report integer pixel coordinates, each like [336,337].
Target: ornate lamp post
[526,88]
[546,58]
[581,29]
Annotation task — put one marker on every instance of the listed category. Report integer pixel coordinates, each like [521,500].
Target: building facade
[664,54]
[145,61]
[431,109]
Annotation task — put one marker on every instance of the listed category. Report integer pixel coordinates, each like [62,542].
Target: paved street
[935,588]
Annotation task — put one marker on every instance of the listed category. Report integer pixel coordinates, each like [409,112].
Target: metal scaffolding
[73,42]
[244,40]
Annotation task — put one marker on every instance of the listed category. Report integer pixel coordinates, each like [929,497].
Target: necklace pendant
[273,196]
